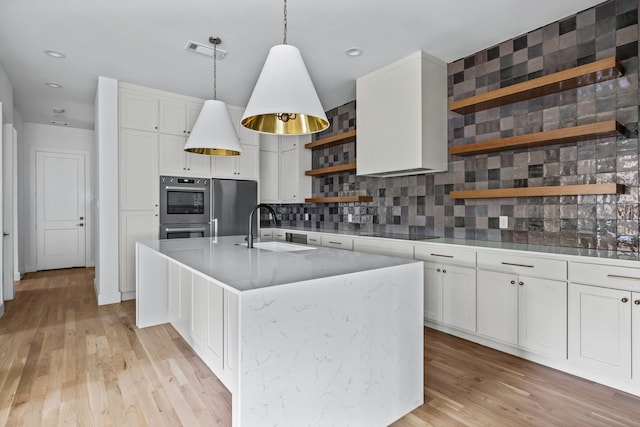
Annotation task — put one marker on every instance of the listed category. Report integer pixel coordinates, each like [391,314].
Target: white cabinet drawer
[314,239]
[339,242]
[526,265]
[266,233]
[626,278]
[445,254]
[383,247]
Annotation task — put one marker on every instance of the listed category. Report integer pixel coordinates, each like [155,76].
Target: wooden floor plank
[66,361]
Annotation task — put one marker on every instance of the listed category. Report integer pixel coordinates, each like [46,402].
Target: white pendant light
[284,101]
[213,133]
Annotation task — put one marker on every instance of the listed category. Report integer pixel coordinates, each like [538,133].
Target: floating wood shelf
[557,136]
[560,190]
[331,169]
[331,141]
[598,71]
[340,199]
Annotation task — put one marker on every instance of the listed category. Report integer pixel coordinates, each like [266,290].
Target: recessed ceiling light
[54,85]
[55,54]
[58,110]
[354,51]
[57,123]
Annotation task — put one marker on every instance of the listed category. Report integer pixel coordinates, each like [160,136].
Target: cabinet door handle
[438,270]
[443,256]
[444,271]
[615,276]
[513,282]
[521,283]
[637,302]
[625,299]
[518,265]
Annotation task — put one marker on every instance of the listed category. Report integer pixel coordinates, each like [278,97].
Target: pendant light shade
[284,101]
[214,133]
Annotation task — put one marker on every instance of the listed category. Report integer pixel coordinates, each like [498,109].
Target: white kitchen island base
[340,349]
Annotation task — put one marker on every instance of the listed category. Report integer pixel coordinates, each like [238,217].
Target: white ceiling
[142,42]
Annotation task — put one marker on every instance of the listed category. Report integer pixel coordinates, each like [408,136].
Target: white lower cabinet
[450,295]
[635,336]
[528,312]
[600,332]
[134,225]
[206,315]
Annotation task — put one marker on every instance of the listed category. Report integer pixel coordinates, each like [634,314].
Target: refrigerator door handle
[215,227]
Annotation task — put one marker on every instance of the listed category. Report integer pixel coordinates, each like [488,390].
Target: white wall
[38,137]
[106,142]
[21,206]
[6,96]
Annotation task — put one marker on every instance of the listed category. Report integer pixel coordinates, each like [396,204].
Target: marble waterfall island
[300,335]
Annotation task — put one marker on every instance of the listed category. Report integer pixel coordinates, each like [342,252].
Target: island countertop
[228,261]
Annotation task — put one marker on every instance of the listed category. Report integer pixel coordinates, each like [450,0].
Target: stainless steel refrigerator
[231,203]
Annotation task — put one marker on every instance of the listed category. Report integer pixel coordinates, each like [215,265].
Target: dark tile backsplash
[420,205]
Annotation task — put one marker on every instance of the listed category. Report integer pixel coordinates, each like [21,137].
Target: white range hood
[401,117]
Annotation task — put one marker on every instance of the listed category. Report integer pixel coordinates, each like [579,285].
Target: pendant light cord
[215,41]
[285,23]
[215,60]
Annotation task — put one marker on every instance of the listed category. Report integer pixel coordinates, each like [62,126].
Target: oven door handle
[168,187]
[182,230]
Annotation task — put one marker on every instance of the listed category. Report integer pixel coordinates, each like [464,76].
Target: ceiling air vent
[204,50]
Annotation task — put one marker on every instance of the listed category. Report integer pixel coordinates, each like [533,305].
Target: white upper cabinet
[175,161]
[283,162]
[177,116]
[246,165]
[138,110]
[138,170]
[402,118]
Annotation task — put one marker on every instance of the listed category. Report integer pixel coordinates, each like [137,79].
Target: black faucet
[255,208]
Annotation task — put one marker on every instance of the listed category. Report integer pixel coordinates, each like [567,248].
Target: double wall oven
[185,207]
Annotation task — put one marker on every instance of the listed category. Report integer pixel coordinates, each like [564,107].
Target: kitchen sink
[280,246]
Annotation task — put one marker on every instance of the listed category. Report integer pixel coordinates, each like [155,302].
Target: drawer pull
[518,265]
[615,276]
[625,299]
[443,256]
[335,243]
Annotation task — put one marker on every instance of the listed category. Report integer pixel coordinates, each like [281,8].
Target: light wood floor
[66,361]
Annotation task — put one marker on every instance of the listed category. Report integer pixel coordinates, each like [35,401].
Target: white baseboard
[128,295]
[17,276]
[105,298]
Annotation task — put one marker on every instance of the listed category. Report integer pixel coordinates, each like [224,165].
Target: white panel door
[8,250]
[60,210]
[1,208]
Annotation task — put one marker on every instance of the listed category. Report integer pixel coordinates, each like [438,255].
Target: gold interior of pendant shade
[213,151]
[270,123]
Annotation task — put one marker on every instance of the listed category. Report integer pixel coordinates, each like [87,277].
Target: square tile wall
[420,204]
